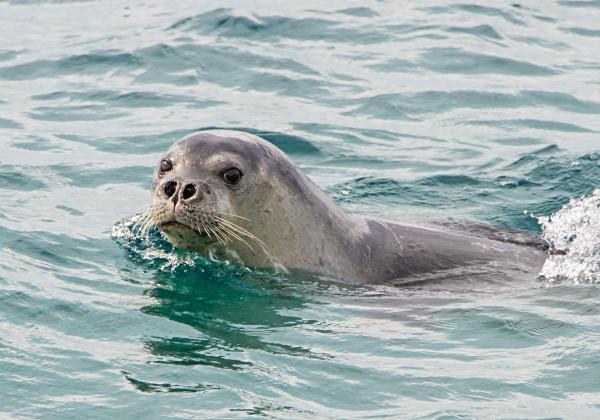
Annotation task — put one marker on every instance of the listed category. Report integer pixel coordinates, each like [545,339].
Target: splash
[151,248]
[573,234]
[145,244]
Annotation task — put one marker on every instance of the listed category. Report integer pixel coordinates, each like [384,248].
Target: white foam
[127,233]
[573,233]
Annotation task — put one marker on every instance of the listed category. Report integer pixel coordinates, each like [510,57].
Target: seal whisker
[232,229]
[241,231]
[226,239]
[230,232]
[140,230]
[211,229]
[234,215]
[146,220]
[201,226]
[151,221]
[140,220]
[237,228]
[205,229]
[200,230]
[221,240]
[136,226]
[145,232]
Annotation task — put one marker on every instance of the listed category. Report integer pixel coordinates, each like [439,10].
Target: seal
[232,194]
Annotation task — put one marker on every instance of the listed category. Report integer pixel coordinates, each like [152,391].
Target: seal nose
[170,188]
[189,191]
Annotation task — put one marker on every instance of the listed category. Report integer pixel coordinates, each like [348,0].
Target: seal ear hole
[232,176]
[165,166]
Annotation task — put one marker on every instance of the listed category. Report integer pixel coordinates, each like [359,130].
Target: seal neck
[306,229]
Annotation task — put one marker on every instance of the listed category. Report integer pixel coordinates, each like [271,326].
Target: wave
[226,23]
[573,234]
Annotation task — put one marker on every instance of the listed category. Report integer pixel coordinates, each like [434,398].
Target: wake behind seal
[233,194]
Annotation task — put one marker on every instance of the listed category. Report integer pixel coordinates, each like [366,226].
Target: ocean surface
[428,110]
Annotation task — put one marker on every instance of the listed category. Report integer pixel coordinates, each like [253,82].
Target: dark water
[412,110]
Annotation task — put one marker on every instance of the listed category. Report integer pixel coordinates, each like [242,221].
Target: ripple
[359,11]
[90,177]
[594,4]
[485,113]
[562,101]
[497,327]
[219,58]
[362,162]
[584,31]
[481,31]
[449,180]
[50,250]
[94,63]
[415,105]
[224,22]
[542,42]
[16,179]
[135,99]
[407,106]
[292,145]
[478,9]
[6,123]
[144,386]
[135,144]
[36,143]
[7,55]
[74,113]
[385,106]
[455,60]
[158,143]
[519,141]
[515,124]
[223,66]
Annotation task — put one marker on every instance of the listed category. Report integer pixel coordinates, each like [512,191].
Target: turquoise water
[414,110]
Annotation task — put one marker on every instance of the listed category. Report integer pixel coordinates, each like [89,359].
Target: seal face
[199,187]
[230,193]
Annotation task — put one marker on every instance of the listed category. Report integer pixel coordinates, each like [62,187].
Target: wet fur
[279,217]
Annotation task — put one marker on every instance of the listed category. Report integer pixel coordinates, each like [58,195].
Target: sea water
[428,110]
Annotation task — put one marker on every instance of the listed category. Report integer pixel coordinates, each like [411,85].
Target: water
[422,110]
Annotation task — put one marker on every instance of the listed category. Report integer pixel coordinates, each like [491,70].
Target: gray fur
[303,228]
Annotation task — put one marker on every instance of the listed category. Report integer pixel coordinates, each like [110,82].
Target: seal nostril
[170,188]
[188,191]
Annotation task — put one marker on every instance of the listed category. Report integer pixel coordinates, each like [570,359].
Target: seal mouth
[196,228]
[170,223]
[174,224]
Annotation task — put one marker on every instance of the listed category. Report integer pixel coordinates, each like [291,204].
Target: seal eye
[232,176]
[165,166]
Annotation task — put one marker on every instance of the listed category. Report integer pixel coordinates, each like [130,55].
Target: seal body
[230,193]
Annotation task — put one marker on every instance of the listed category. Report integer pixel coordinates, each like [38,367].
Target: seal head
[231,193]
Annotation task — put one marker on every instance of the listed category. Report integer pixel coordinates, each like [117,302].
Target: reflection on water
[227,315]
